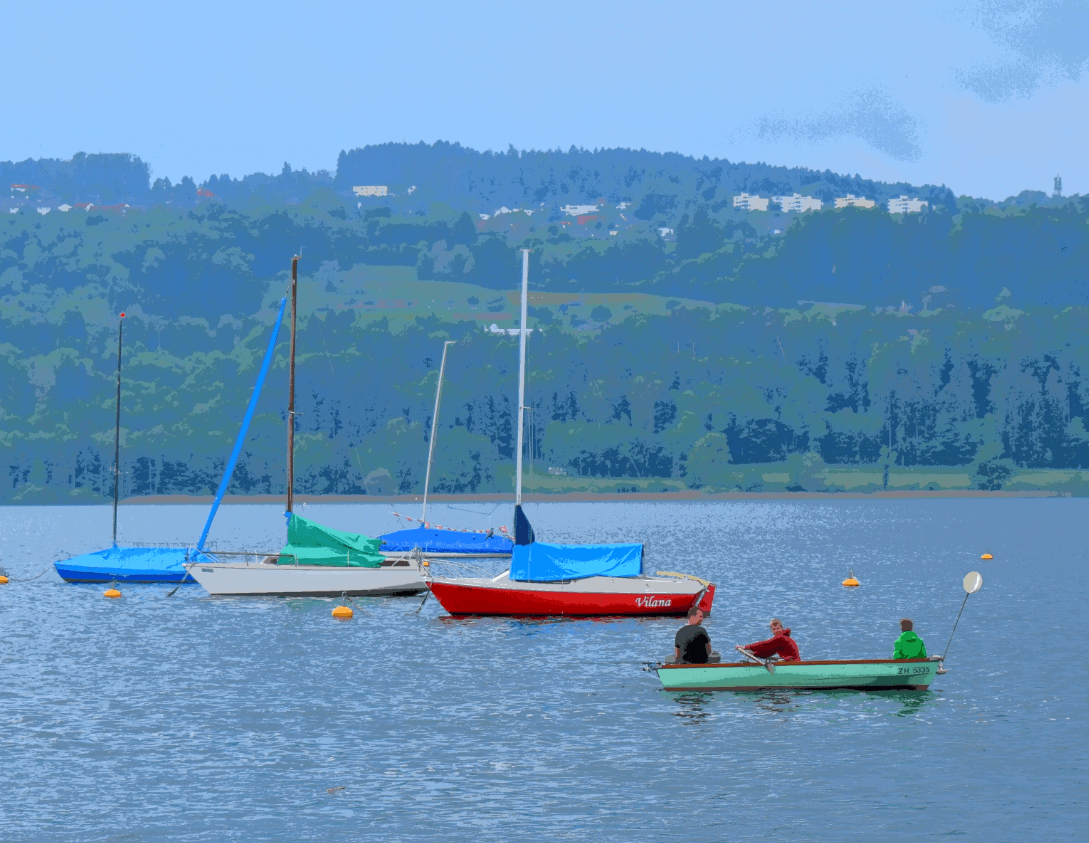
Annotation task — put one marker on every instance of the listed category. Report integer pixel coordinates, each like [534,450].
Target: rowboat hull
[258,579]
[864,675]
[588,597]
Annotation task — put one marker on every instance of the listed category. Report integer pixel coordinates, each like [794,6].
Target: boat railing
[459,567]
[259,557]
[166,545]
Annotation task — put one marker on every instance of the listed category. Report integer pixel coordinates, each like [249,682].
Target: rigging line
[27,579]
[475,511]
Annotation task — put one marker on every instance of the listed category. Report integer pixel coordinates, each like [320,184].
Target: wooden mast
[291,388]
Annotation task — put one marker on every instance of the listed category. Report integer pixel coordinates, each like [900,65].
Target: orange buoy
[111,592]
[3,579]
[986,556]
[342,613]
[850,582]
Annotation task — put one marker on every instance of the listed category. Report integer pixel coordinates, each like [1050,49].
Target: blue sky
[989,97]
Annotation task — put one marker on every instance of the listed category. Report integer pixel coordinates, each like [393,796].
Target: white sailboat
[291,574]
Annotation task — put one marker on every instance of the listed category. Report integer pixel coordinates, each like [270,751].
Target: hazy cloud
[870,115]
[1043,41]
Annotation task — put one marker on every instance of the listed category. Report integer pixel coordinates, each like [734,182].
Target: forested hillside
[679,342]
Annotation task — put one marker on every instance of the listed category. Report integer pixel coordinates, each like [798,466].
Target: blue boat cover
[430,540]
[126,564]
[541,562]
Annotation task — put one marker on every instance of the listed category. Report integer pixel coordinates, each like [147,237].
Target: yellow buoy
[850,582]
[427,564]
[342,613]
[3,579]
[111,592]
[986,556]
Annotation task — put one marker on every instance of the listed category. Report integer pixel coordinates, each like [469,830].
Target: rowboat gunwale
[795,664]
[710,680]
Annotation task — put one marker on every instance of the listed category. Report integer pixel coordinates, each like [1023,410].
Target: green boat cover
[315,544]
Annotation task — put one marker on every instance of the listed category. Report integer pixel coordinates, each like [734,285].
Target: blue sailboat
[431,538]
[123,564]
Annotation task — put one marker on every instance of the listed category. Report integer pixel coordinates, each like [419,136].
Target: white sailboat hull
[258,579]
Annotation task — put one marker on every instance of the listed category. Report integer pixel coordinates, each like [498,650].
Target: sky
[989,97]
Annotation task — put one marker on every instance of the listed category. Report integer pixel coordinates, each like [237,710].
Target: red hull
[477,600]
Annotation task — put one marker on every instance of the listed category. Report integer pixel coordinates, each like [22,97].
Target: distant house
[23,188]
[585,218]
[579,210]
[903,205]
[85,206]
[797,203]
[485,216]
[495,329]
[622,205]
[44,211]
[852,201]
[64,209]
[665,232]
[750,203]
[370,190]
[207,194]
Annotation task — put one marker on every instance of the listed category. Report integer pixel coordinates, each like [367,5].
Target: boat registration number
[914,669]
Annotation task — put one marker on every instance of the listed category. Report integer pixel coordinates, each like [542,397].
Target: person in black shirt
[692,644]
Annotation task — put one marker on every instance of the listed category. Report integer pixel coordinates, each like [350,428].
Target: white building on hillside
[371,190]
[750,203]
[579,210]
[797,203]
[903,205]
[852,201]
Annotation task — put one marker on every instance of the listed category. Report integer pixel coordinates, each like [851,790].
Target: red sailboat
[569,580]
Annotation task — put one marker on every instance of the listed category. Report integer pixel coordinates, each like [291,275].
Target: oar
[767,663]
[973,582]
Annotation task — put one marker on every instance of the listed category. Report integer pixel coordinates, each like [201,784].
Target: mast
[291,388]
[434,427]
[117,433]
[521,379]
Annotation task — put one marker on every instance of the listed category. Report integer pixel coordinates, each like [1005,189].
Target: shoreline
[588,497]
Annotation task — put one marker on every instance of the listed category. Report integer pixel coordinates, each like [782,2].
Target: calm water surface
[200,719]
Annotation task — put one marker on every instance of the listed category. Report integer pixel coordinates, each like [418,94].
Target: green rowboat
[863,675]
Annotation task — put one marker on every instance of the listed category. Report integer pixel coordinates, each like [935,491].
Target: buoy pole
[291,388]
[972,583]
[117,434]
[957,621]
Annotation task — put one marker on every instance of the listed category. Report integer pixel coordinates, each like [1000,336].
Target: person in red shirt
[780,644]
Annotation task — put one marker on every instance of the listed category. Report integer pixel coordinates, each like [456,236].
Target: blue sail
[543,562]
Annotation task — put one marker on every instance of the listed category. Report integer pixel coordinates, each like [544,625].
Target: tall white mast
[522,378]
[434,428]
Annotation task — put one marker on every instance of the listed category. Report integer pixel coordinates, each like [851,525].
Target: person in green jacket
[908,645]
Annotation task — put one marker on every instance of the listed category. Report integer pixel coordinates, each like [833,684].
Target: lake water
[199,719]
